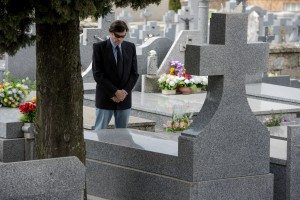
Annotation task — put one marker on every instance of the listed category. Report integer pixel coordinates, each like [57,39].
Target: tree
[174,5]
[59,122]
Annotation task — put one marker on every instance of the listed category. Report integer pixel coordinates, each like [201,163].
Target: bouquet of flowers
[12,92]
[200,82]
[178,123]
[28,110]
[168,82]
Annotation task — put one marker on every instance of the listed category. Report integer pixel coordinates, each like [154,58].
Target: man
[115,72]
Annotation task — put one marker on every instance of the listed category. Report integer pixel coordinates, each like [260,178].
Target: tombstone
[125,16]
[261,14]
[282,29]
[253,25]
[203,20]
[195,11]
[104,22]
[225,153]
[183,18]
[170,26]
[295,35]
[145,14]
[58,178]
[135,33]
[150,30]
[267,37]
[177,50]
[230,6]
[160,45]
[23,63]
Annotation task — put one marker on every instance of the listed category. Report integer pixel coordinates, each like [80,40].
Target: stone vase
[185,90]
[168,92]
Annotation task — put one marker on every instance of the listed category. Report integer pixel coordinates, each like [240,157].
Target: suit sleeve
[133,73]
[99,74]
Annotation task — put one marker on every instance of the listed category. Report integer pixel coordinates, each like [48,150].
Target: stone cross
[267,37]
[125,16]
[282,29]
[151,29]
[170,26]
[225,133]
[146,14]
[104,23]
[183,18]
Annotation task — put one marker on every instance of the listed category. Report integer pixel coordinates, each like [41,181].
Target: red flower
[27,107]
[187,76]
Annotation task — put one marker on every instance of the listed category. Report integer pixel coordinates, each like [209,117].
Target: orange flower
[1,85]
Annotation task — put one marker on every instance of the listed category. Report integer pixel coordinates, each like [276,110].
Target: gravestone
[151,29]
[225,153]
[184,19]
[125,16]
[177,50]
[295,35]
[261,14]
[58,178]
[267,37]
[145,14]
[160,45]
[170,26]
[282,29]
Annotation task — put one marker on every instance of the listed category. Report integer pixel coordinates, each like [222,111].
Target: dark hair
[118,26]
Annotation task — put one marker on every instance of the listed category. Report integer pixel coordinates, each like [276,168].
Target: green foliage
[174,5]
[274,120]
[16,16]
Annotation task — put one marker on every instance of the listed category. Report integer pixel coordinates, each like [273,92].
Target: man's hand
[115,99]
[121,95]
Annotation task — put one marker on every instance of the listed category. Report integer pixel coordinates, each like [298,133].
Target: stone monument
[225,153]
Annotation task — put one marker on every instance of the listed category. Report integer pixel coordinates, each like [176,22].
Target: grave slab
[59,178]
[10,126]
[12,150]
[276,92]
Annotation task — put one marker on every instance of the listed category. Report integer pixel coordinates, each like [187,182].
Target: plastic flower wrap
[178,123]
[28,110]
[168,82]
[12,93]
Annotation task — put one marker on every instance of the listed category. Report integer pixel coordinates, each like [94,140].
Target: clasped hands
[120,95]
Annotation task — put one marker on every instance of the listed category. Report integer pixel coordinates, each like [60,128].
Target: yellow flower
[172,71]
[33,99]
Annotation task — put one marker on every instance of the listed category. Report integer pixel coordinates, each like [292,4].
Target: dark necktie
[119,62]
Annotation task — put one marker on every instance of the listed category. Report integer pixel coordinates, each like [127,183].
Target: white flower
[172,83]
[1,95]
[187,81]
[14,91]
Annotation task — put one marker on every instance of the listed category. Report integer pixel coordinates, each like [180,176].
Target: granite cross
[226,139]
[267,37]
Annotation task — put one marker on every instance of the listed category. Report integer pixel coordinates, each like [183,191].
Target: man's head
[118,30]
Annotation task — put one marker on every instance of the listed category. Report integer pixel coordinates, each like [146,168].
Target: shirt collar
[113,44]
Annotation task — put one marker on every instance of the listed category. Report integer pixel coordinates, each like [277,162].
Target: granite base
[115,182]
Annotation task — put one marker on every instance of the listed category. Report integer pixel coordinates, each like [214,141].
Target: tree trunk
[59,122]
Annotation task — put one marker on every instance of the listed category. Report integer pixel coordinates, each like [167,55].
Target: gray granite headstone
[225,153]
[170,26]
[125,16]
[238,149]
[160,45]
[151,29]
[58,178]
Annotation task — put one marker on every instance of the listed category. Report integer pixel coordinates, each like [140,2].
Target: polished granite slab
[278,132]
[132,138]
[276,92]
[169,104]
[278,151]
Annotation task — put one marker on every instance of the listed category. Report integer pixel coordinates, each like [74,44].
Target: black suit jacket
[106,74]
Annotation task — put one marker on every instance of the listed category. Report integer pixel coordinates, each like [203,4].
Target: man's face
[118,37]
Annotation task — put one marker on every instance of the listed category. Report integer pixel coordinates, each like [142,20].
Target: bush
[174,5]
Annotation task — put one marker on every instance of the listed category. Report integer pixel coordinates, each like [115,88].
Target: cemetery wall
[291,55]
[275,6]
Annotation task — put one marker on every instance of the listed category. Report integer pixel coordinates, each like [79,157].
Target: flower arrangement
[13,92]
[168,82]
[178,123]
[274,120]
[28,111]
[178,78]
